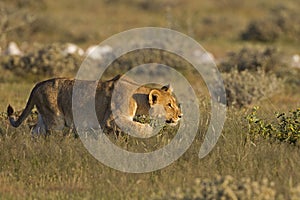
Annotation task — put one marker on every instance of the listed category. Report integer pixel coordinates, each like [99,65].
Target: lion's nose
[180,115]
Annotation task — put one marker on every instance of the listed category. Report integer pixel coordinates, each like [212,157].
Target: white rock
[296,61]
[73,49]
[13,50]
[97,52]
[296,58]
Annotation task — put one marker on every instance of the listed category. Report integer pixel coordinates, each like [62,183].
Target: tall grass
[60,167]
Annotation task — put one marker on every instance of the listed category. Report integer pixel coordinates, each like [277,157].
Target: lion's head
[164,98]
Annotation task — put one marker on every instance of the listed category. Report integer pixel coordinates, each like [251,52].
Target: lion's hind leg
[40,127]
[54,123]
[46,124]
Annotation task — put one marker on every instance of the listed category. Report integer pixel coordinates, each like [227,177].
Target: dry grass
[59,167]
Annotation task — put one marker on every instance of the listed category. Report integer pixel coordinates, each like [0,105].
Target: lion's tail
[29,106]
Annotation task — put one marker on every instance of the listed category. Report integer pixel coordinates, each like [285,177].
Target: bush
[245,87]
[286,127]
[149,56]
[269,60]
[283,22]
[252,74]
[45,61]
[252,60]
[265,30]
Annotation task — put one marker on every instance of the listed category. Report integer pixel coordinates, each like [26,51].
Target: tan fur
[53,100]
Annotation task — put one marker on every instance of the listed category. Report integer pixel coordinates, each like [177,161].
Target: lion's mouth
[171,122]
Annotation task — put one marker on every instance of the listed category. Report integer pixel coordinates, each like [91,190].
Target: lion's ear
[167,88]
[153,96]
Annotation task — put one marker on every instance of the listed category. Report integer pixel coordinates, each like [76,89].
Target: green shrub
[285,128]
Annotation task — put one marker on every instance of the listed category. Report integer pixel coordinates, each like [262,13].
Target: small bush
[252,74]
[155,5]
[244,88]
[269,60]
[45,61]
[282,22]
[265,30]
[252,60]
[149,56]
[286,127]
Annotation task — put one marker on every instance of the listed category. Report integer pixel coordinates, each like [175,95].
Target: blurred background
[219,25]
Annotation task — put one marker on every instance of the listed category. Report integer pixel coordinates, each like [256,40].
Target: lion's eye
[170,105]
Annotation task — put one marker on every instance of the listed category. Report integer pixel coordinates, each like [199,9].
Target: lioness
[53,101]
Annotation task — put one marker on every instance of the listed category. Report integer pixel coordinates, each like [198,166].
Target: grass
[60,167]
[16,96]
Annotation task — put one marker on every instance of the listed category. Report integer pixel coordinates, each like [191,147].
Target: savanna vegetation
[257,155]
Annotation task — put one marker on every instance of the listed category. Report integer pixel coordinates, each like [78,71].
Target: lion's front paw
[142,131]
[148,131]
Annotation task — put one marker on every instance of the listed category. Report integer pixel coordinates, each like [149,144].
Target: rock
[295,61]
[13,50]
[73,49]
[97,52]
